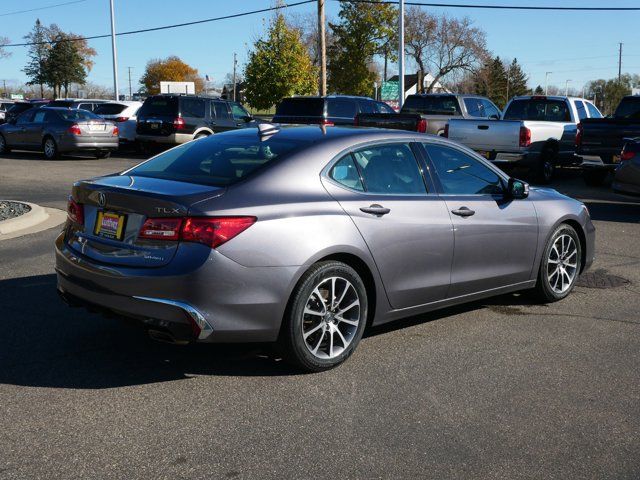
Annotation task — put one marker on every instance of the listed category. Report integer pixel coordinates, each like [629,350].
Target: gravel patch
[12,209]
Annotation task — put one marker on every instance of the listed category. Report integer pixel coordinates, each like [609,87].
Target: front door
[223,119]
[495,237]
[405,225]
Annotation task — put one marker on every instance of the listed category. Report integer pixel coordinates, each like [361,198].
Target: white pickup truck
[536,132]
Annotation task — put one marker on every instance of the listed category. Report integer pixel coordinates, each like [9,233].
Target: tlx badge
[167,210]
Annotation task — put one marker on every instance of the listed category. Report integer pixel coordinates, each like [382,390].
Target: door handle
[463,212]
[375,209]
[483,127]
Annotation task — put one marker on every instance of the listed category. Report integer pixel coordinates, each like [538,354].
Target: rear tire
[546,166]
[595,177]
[560,265]
[325,318]
[50,148]
[3,146]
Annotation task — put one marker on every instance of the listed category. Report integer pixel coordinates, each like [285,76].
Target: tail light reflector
[326,122]
[161,229]
[579,135]
[115,132]
[75,129]
[214,231]
[422,125]
[75,211]
[525,137]
[178,123]
[121,119]
[627,155]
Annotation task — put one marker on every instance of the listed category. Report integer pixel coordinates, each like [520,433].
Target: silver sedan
[307,235]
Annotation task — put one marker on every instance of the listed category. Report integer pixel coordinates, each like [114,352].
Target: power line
[165,27]
[499,7]
[41,8]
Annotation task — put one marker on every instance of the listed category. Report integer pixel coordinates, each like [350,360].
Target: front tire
[326,317]
[560,265]
[50,149]
[3,145]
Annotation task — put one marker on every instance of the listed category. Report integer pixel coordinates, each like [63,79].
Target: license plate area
[96,127]
[110,225]
[154,126]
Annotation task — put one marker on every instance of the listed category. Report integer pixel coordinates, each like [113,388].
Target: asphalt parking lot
[496,389]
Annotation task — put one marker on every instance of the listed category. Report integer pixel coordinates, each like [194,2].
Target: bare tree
[307,25]
[443,46]
[3,52]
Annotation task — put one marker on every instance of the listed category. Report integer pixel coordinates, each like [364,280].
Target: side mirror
[495,116]
[247,118]
[517,189]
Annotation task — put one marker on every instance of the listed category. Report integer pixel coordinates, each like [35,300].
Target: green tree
[64,65]
[517,80]
[279,66]
[37,56]
[538,90]
[363,32]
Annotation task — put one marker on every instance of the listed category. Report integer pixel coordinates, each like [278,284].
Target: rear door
[495,238]
[342,111]
[33,130]
[193,112]
[223,119]
[16,135]
[404,223]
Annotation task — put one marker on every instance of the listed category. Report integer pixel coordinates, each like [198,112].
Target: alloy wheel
[49,148]
[562,263]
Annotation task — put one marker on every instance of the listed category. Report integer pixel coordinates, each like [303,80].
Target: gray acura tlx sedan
[306,235]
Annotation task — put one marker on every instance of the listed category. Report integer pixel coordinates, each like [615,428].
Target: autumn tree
[363,32]
[279,66]
[171,69]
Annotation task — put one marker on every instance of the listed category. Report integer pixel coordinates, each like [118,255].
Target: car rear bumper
[172,139]
[228,302]
[78,144]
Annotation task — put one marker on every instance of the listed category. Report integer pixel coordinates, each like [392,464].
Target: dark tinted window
[220,109]
[160,106]
[86,106]
[582,112]
[78,115]
[238,112]
[26,117]
[540,109]
[629,108]
[218,160]
[60,103]
[193,107]
[39,116]
[341,108]
[17,108]
[346,173]
[462,174]
[593,111]
[431,105]
[367,107]
[301,106]
[389,169]
[382,107]
[109,109]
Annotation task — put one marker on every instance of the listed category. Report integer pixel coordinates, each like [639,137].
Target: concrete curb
[37,219]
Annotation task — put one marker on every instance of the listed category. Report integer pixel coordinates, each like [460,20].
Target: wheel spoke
[308,311]
[315,350]
[342,339]
[330,342]
[347,285]
[340,318]
[353,304]
[317,293]
[313,330]
[332,303]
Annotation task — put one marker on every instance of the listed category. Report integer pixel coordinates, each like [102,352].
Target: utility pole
[546,82]
[114,51]
[130,93]
[401,54]
[4,90]
[508,79]
[566,87]
[619,61]
[235,61]
[322,48]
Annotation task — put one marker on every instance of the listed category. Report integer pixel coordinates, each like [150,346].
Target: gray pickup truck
[430,113]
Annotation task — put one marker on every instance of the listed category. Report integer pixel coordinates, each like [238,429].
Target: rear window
[543,109]
[109,109]
[218,160]
[19,107]
[160,106]
[341,108]
[77,115]
[431,105]
[629,108]
[60,103]
[301,107]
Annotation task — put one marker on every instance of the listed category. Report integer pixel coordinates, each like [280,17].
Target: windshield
[218,160]
[77,115]
[541,109]
[302,107]
[629,108]
[431,105]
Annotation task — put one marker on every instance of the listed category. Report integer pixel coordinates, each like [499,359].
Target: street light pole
[566,88]
[401,54]
[115,54]
[235,62]
[322,48]
[546,82]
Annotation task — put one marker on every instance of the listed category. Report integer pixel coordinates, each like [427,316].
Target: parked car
[535,132]
[430,113]
[89,104]
[59,130]
[600,140]
[306,235]
[627,172]
[124,113]
[329,110]
[4,106]
[172,119]
[19,107]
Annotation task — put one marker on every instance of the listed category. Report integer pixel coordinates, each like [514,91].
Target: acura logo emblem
[102,199]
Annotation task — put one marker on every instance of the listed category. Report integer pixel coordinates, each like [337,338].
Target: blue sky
[573,45]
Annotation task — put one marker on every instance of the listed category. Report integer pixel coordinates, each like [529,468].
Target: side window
[221,110]
[86,106]
[193,107]
[345,172]
[389,169]
[382,107]
[39,116]
[490,110]
[50,117]
[582,112]
[26,117]
[474,107]
[238,112]
[367,106]
[461,174]
[593,111]
[341,108]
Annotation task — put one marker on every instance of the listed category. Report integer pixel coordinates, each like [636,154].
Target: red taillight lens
[161,229]
[115,132]
[121,119]
[579,135]
[326,122]
[525,137]
[627,155]
[74,129]
[446,131]
[178,123]
[75,211]
[422,126]
[214,231]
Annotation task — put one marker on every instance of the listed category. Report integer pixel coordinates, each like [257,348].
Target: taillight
[115,132]
[75,211]
[121,119]
[446,131]
[161,229]
[326,122]
[525,137]
[356,122]
[627,155]
[75,129]
[579,135]
[422,125]
[178,123]
[214,231]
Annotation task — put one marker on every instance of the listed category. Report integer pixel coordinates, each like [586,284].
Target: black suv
[171,119]
[329,110]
